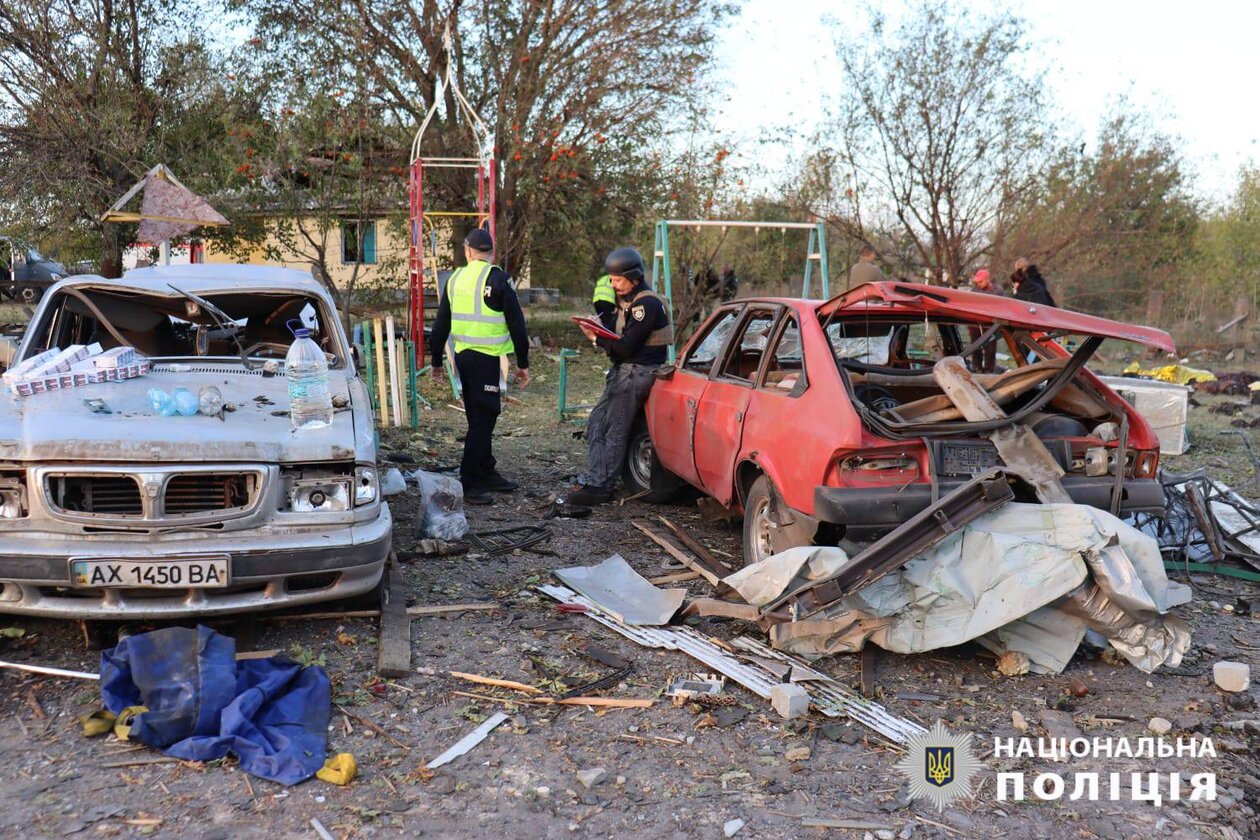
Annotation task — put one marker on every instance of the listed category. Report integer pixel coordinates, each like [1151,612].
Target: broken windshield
[226,324]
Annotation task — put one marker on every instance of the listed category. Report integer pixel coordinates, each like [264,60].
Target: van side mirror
[356,356]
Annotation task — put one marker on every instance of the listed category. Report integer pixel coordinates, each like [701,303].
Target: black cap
[625,262]
[479,240]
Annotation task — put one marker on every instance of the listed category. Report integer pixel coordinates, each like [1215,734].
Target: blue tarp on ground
[203,704]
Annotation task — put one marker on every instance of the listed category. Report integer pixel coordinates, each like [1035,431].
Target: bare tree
[93,94]
[937,130]
[559,82]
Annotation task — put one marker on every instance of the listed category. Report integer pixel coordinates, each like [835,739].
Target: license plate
[967,458]
[198,573]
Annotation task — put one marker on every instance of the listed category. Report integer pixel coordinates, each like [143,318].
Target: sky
[1190,66]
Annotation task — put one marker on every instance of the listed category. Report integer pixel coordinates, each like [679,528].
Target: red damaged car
[824,423]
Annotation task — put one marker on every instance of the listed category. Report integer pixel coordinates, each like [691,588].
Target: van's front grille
[191,493]
[153,498]
[104,495]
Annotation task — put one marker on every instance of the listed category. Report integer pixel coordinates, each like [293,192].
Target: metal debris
[827,695]
[506,540]
[469,741]
[623,593]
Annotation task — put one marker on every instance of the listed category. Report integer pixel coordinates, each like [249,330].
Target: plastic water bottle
[306,369]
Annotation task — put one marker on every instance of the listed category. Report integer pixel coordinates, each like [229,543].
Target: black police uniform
[479,377]
[644,326]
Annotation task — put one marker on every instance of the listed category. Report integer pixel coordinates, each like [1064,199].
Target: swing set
[815,253]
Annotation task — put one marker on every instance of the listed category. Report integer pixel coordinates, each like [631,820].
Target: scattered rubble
[1231,676]
[790,701]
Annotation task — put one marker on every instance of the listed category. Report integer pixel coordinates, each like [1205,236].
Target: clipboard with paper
[594,326]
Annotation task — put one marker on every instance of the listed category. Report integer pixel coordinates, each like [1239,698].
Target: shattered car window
[174,326]
[701,357]
[853,342]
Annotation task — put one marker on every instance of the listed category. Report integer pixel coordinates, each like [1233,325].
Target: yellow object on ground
[100,722]
[340,769]
[1180,374]
[122,726]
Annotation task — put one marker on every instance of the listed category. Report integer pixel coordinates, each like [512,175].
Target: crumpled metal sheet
[1028,577]
[756,670]
[1048,636]
[623,593]
[763,582]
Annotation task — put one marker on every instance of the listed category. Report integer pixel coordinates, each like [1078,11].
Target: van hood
[974,306]
[59,426]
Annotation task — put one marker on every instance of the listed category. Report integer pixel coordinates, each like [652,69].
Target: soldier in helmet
[645,331]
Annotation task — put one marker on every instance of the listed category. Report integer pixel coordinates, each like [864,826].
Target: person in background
[1029,285]
[605,302]
[865,270]
[729,283]
[481,313]
[983,360]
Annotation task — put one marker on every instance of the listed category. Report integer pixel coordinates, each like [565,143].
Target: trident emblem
[940,765]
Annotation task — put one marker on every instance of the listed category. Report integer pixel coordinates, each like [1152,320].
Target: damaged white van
[110,509]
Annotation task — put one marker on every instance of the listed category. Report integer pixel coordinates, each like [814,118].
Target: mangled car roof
[940,300]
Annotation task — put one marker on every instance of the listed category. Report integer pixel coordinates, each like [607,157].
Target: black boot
[496,483]
[475,494]
[589,497]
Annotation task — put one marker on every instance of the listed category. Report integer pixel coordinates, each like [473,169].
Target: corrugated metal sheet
[827,695]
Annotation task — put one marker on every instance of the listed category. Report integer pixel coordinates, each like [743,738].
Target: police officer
[605,301]
[644,326]
[481,313]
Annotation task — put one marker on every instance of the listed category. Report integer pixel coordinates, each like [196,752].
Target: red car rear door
[719,425]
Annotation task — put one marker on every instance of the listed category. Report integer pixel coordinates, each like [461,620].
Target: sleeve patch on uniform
[638,313]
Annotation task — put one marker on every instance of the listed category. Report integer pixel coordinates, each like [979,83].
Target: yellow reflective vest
[604,291]
[474,325]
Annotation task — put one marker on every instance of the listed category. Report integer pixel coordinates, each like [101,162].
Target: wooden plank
[870,664]
[394,659]
[691,544]
[394,380]
[676,577]
[606,702]
[378,344]
[438,609]
[480,680]
[1017,446]
[675,552]
[414,612]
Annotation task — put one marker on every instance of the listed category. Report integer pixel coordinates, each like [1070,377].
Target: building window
[358,242]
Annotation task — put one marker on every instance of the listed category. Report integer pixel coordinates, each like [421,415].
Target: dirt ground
[669,771]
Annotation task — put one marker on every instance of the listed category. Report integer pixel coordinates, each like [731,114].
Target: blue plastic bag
[203,704]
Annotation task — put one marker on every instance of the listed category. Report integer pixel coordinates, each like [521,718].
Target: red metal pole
[415,268]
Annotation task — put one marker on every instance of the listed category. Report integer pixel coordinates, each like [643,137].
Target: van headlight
[365,489]
[12,499]
[319,496]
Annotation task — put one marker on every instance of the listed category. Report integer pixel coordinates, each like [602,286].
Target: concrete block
[789,700]
[1232,676]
